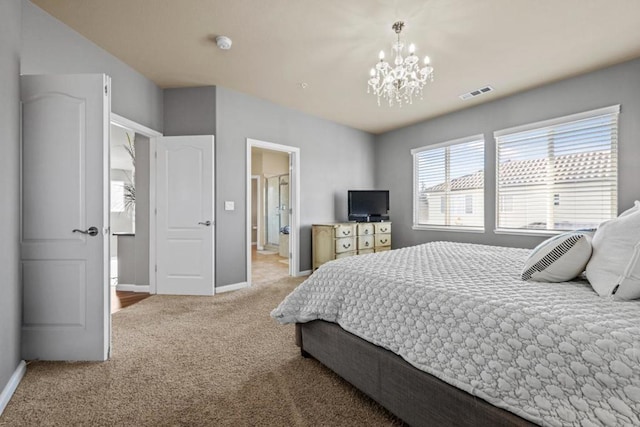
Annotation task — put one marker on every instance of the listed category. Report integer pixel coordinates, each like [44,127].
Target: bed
[448,333]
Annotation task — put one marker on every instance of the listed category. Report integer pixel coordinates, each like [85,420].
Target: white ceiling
[512,45]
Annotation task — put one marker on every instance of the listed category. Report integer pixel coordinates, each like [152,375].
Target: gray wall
[143,161]
[10,293]
[333,159]
[50,47]
[619,84]
[190,111]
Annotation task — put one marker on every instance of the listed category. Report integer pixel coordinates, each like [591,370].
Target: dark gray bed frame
[414,396]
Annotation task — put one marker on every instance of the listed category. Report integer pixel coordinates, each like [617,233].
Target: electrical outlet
[229,206]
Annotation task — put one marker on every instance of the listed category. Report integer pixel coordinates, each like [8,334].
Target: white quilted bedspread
[553,353]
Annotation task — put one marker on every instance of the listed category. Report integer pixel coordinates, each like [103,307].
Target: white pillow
[614,267]
[559,259]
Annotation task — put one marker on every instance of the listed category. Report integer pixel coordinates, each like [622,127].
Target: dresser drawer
[365,229]
[382,227]
[345,230]
[383,240]
[383,248]
[345,244]
[366,242]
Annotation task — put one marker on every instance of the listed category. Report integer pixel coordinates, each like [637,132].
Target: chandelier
[402,81]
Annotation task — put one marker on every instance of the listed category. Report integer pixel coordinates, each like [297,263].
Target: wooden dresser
[343,239]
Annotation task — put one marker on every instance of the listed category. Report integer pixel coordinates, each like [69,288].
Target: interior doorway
[272,211]
[129,215]
[122,206]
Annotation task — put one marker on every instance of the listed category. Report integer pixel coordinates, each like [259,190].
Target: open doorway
[122,206]
[129,155]
[272,211]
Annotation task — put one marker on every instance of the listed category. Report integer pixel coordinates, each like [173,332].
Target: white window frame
[614,109]
[416,151]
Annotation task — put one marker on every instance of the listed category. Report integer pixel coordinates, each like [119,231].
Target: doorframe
[123,122]
[294,202]
[136,127]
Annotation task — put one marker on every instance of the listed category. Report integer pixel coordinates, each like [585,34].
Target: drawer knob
[366,231]
[346,232]
[346,245]
[366,243]
[383,241]
[384,230]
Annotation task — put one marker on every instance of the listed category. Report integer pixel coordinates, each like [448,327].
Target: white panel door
[184,215]
[65,222]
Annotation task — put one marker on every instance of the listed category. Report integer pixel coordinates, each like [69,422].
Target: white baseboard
[12,385]
[232,287]
[132,288]
[304,273]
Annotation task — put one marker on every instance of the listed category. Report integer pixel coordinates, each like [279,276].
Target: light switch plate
[229,206]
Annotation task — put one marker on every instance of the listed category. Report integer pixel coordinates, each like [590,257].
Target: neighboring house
[466,199]
[525,200]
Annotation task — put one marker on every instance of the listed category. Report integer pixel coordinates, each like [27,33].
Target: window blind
[449,184]
[560,174]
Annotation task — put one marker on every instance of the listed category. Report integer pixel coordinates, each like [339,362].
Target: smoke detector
[223,42]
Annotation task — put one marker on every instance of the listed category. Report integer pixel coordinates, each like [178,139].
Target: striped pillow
[560,258]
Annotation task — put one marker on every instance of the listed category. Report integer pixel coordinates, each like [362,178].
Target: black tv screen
[368,205]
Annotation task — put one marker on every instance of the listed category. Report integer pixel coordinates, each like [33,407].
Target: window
[449,185]
[506,203]
[560,174]
[117,196]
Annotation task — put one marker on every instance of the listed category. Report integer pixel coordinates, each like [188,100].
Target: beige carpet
[195,361]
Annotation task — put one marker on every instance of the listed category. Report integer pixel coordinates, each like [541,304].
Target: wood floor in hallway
[123,299]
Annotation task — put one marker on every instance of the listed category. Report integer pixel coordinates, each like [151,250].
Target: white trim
[123,122]
[132,288]
[232,287]
[12,385]
[525,232]
[304,273]
[464,140]
[131,125]
[153,153]
[294,202]
[449,228]
[614,109]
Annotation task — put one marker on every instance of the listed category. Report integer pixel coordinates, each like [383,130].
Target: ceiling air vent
[475,93]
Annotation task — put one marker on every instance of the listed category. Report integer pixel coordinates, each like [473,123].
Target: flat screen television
[368,205]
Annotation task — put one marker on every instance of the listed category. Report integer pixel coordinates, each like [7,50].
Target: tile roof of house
[568,168]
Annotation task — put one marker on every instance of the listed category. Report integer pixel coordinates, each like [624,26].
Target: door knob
[207,223]
[91,231]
